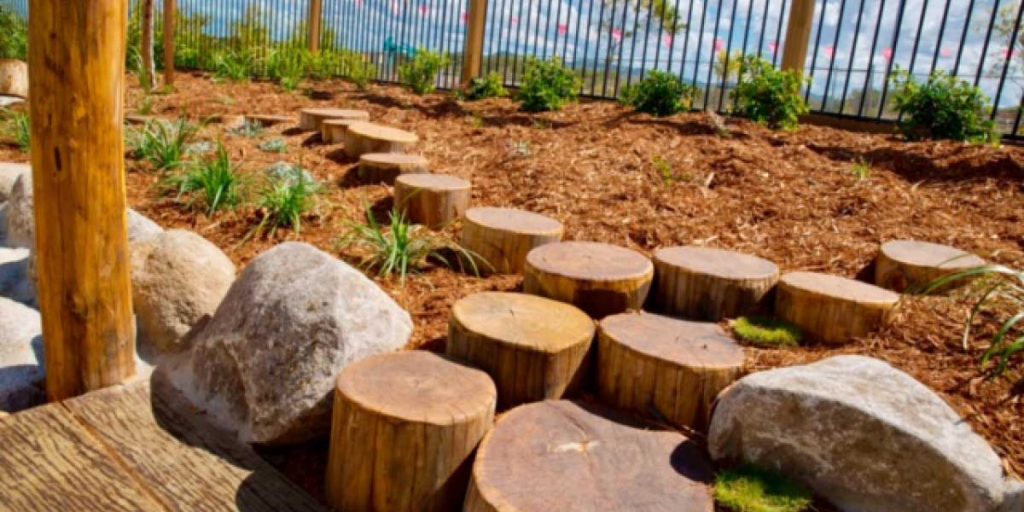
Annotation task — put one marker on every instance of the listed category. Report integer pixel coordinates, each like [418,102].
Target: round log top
[590,261]
[525,320]
[381,132]
[927,254]
[685,343]
[511,219]
[268,119]
[417,386]
[393,159]
[717,262]
[433,181]
[337,113]
[838,287]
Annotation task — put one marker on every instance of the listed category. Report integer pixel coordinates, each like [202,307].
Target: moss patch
[749,489]
[766,332]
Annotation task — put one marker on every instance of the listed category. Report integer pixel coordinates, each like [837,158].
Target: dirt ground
[601,170]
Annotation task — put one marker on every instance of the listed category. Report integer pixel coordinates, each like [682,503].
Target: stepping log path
[13,78]
[404,430]
[136,120]
[503,237]
[534,348]
[674,367]
[600,279]
[710,284]
[267,120]
[913,265]
[332,131]
[568,457]
[832,309]
[386,167]
[434,200]
[361,138]
[310,118]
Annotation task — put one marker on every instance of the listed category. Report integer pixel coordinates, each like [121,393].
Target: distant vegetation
[547,85]
[767,95]
[659,94]
[13,35]
[943,107]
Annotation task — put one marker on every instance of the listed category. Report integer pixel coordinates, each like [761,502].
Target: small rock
[20,217]
[266,362]
[862,434]
[18,322]
[21,356]
[141,228]
[14,272]
[9,173]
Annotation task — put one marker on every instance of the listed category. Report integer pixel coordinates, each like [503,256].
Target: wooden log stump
[832,309]
[386,167]
[502,237]
[138,120]
[671,369]
[571,457]
[268,120]
[332,131]
[911,265]
[433,200]
[600,279]
[534,348]
[405,426]
[711,284]
[310,118]
[13,78]
[361,138]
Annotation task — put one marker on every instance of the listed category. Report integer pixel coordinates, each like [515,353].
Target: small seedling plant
[547,85]
[419,74]
[274,146]
[660,94]
[164,144]
[943,107]
[749,489]
[211,185]
[769,96]
[488,86]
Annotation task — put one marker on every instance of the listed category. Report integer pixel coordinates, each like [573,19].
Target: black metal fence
[855,44]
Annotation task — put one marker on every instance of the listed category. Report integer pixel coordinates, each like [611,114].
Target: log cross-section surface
[311,118]
[832,309]
[534,348]
[361,138]
[600,279]
[502,237]
[666,368]
[703,283]
[404,431]
[569,457]
[332,131]
[266,120]
[386,167]
[13,78]
[914,266]
[434,200]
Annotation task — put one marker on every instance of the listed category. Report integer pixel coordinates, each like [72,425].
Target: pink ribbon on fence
[773,48]
[719,44]
[424,10]
[887,53]
[563,29]
[668,40]
[617,35]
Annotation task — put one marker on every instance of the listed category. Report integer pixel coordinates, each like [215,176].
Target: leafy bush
[286,201]
[748,489]
[19,130]
[944,107]
[164,144]
[766,332]
[660,94]
[489,86]
[547,85]
[419,74]
[767,95]
[13,35]
[214,184]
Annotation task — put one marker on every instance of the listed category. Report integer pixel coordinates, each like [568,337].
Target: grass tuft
[748,489]
[213,184]
[766,332]
[286,201]
[164,144]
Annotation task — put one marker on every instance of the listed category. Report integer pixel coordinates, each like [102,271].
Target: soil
[629,179]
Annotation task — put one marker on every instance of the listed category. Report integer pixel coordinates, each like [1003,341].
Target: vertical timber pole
[474,49]
[798,35]
[170,26]
[315,22]
[76,79]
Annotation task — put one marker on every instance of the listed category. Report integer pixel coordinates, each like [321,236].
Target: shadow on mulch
[953,163]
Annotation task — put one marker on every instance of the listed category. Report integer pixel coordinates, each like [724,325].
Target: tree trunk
[148,77]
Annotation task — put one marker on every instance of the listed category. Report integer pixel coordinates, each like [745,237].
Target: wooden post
[148,77]
[170,25]
[474,50]
[315,22]
[798,35]
[76,79]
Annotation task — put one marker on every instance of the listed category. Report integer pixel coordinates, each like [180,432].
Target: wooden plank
[187,463]
[48,461]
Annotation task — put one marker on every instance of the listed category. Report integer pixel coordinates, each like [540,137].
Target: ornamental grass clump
[660,94]
[164,144]
[943,107]
[769,96]
[766,332]
[749,489]
[547,85]
[286,201]
[212,185]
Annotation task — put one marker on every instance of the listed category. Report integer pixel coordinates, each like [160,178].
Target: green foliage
[234,66]
[749,489]
[13,35]
[664,168]
[766,332]
[861,169]
[547,85]
[286,201]
[163,144]
[288,66]
[356,69]
[767,95]
[18,129]
[274,146]
[944,107]
[489,86]
[419,74]
[213,184]
[660,94]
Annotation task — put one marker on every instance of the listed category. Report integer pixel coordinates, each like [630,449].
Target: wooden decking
[130,448]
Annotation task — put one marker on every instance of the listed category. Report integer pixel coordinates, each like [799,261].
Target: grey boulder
[14,281]
[9,173]
[20,217]
[21,356]
[861,433]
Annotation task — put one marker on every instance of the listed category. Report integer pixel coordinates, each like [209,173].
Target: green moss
[749,489]
[766,332]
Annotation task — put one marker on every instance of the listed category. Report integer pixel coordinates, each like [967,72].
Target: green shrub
[288,67]
[234,66]
[660,94]
[354,68]
[13,35]
[766,332]
[944,107]
[163,144]
[547,85]
[748,489]
[213,184]
[286,201]
[419,74]
[489,86]
[767,95]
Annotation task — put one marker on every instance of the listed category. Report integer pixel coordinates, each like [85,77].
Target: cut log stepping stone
[332,131]
[573,457]
[136,120]
[386,167]
[310,118]
[13,78]
[672,368]
[361,138]
[832,309]
[600,279]
[502,237]
[534,348]
[434,200]
[404,429]
[710,284]
[266,120]
[913,265]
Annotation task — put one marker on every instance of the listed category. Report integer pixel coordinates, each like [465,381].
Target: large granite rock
[9,173]
[21,357]
[266,362]
[178,277]
[861,433]
[14,281]
[20,217]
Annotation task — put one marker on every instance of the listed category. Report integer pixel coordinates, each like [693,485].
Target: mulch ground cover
[801,199]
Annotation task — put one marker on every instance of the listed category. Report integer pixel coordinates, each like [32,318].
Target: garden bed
[802,199]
